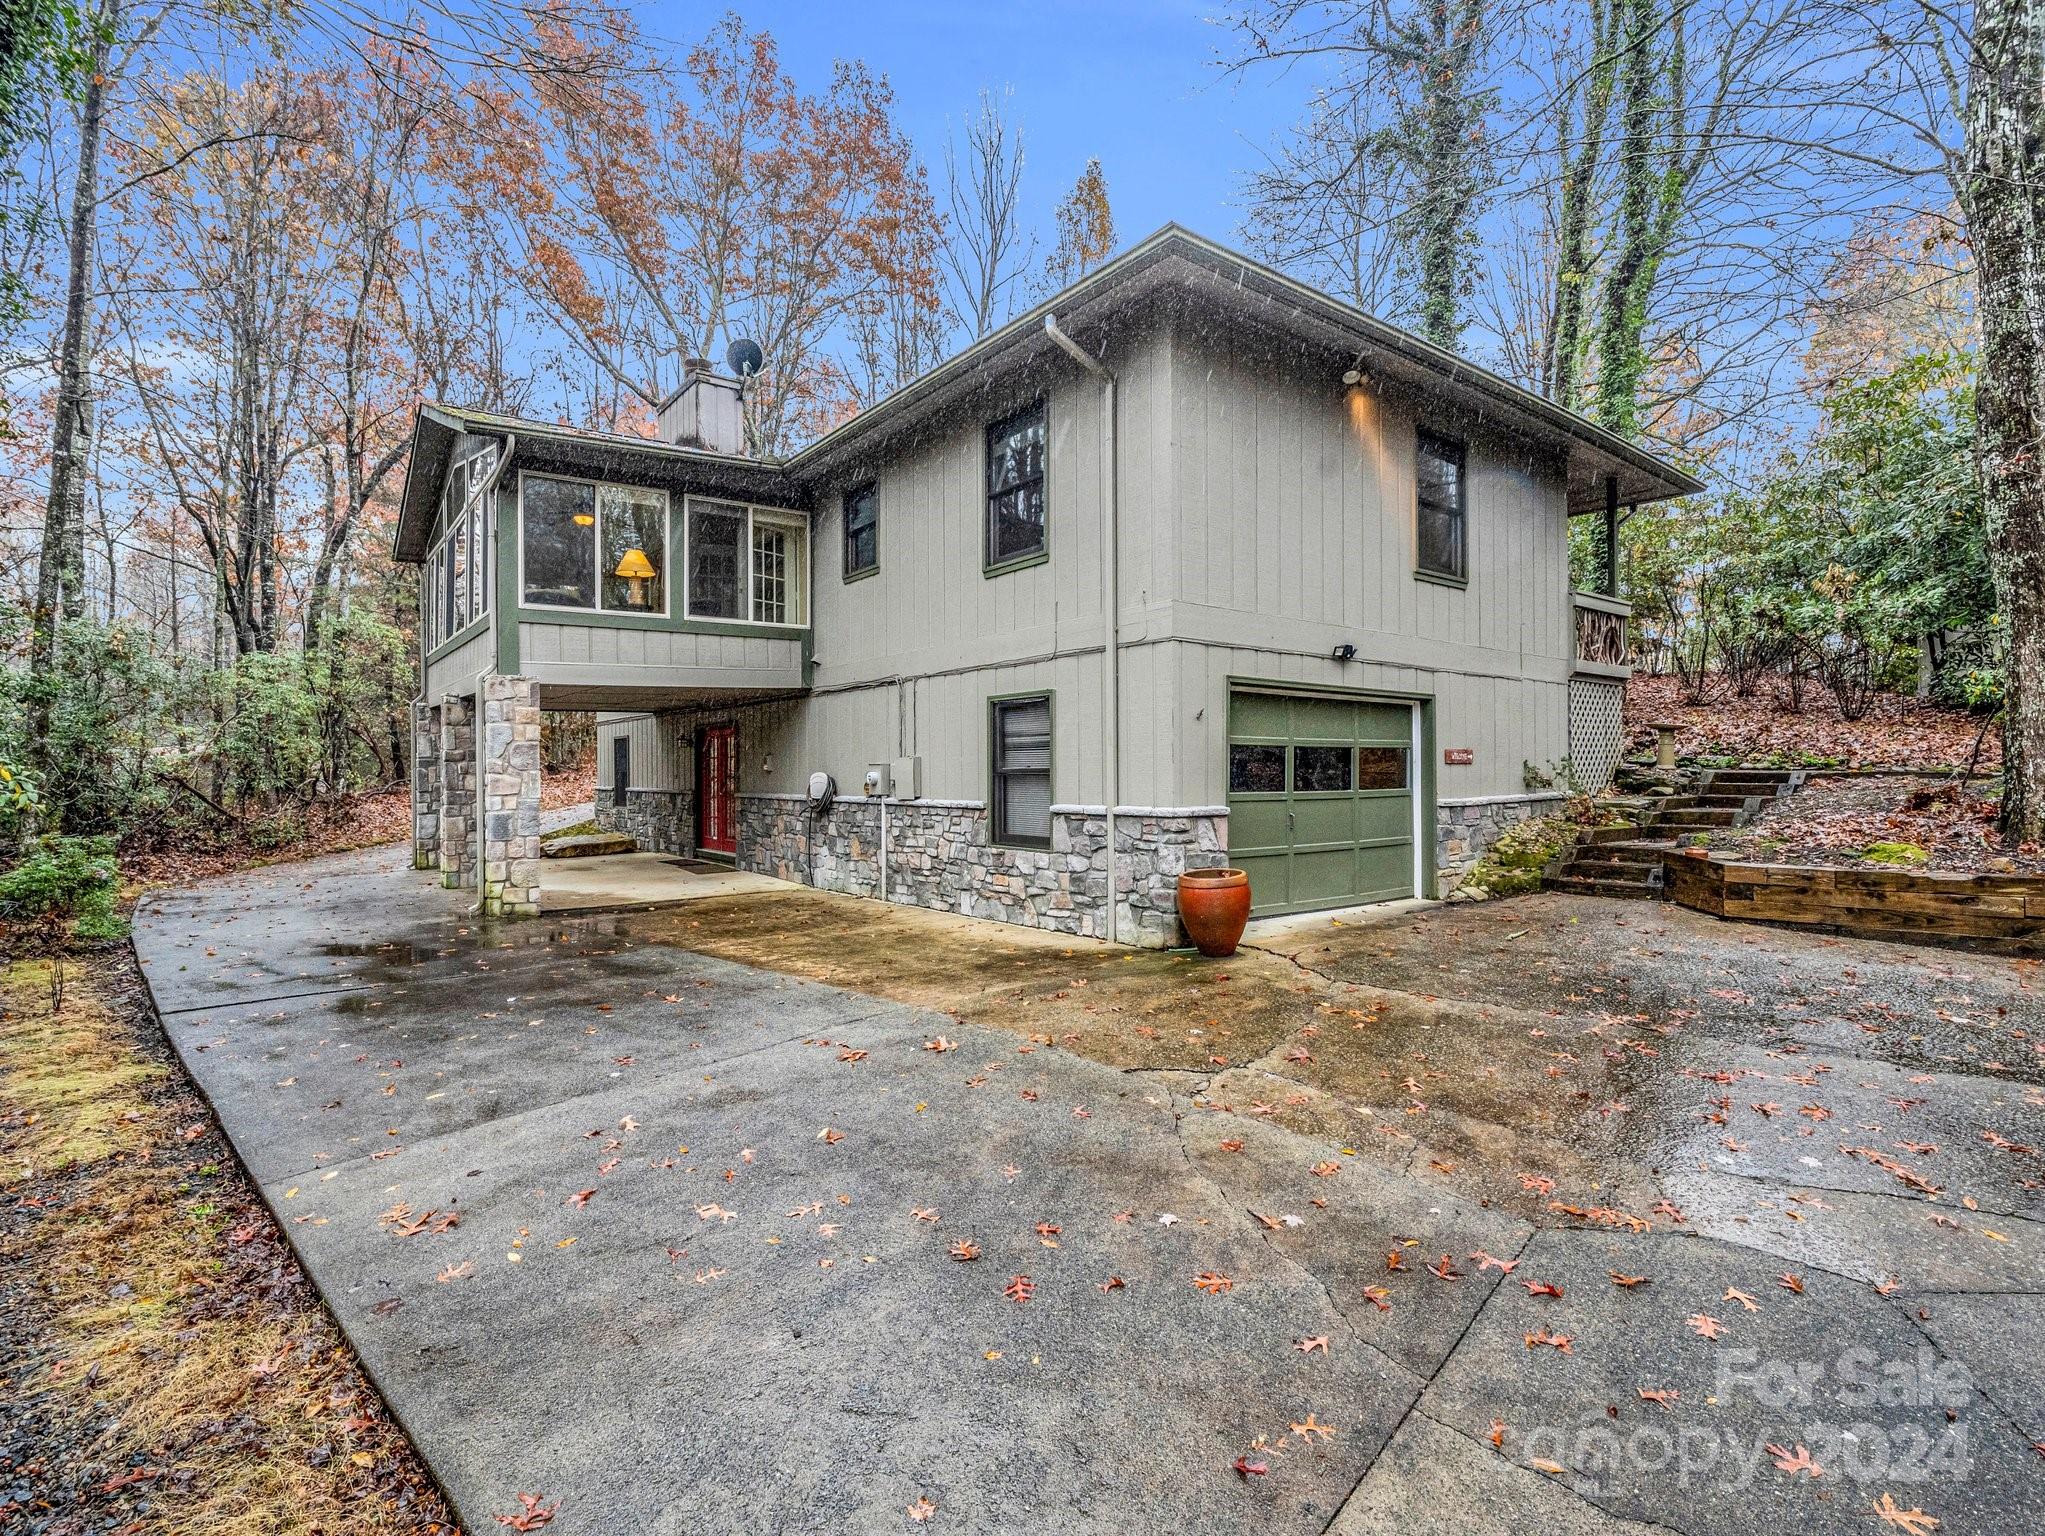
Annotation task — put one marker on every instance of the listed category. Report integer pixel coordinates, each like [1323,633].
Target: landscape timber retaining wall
[2004,912]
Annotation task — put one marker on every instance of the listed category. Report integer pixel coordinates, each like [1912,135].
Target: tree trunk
[60,574]
[2005,195]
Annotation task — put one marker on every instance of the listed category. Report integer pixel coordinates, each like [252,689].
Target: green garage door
[1320,800]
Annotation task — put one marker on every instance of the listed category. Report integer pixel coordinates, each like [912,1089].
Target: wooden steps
[1629,862]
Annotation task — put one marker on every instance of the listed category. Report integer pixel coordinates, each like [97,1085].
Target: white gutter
[1111,598]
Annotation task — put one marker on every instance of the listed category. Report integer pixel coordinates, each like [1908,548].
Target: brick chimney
[705,412]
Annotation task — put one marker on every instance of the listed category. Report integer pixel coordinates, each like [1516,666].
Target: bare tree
[1324,203]
[987,249]
[2004,195]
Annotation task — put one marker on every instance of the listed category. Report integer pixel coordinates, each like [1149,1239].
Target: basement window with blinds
[1022,771]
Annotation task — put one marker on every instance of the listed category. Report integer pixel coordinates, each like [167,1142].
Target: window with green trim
[862,529]
[1441,520]
[1022,771]
[1015,486]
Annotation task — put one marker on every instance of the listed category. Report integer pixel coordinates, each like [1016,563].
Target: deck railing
[1601,643]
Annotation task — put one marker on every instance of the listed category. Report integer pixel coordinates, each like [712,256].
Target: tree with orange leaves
[654,213]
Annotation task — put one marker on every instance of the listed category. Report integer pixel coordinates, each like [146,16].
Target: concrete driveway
[783,1212]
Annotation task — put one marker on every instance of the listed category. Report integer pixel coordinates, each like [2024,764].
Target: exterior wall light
[1344,652]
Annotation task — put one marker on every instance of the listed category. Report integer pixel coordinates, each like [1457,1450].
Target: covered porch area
[669,789]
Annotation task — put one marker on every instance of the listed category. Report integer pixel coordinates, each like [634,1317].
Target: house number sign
[1459,757]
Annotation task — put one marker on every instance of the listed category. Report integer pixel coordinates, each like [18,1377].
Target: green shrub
[65,889]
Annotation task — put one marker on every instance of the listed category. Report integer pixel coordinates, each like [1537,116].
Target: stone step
[590,845]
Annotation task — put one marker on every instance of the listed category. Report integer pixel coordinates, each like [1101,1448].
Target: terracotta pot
[1214,904]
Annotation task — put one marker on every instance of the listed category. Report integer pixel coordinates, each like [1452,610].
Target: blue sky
[1132,81]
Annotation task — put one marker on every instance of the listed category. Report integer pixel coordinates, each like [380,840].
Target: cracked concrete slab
[1837,1369]
[1348,1223]
[699,1274]
[1918,1244]
[1436,1481]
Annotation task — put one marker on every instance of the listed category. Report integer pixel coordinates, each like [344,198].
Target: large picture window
[747,564]
[1442,518]
[601,547]
[1015,487]
[862,530]
[1022,771]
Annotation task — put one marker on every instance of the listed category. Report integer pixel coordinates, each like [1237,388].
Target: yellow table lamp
[638,570]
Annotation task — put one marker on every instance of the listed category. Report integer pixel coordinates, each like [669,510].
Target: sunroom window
[458,567]
[747,564]
[593,546]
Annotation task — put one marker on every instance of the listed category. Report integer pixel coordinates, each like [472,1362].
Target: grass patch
[71,1092]
[185,1377]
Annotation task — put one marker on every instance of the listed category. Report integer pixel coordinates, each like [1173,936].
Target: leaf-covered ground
[328,826]
[165,1369]
[1896,732]
[1882,822]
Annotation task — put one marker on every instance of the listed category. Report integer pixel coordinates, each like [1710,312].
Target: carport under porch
[476,778]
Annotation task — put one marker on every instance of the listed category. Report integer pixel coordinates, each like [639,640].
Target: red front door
[717,790]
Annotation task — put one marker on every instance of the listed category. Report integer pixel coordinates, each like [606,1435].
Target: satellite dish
[744,357]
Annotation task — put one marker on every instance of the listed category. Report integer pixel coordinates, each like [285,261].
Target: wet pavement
[1550,1215]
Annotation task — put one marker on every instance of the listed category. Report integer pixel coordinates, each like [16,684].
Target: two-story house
[1191,563]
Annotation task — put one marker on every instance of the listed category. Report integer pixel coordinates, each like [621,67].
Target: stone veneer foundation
[1465,829]
[425,786]
[457,840]
[511,795]
[941,856]
[658,820]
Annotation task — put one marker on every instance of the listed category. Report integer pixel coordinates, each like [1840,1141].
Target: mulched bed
[1896,732]
[1833,820]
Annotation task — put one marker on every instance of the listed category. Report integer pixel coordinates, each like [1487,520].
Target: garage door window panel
[1381,768]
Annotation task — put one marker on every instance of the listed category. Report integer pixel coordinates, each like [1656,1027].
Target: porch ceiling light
[585,520]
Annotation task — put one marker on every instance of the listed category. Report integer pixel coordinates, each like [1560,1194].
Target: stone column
[425,785]
[457,791]
[511,789]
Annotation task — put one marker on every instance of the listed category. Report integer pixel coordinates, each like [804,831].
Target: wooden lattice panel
[1596,730]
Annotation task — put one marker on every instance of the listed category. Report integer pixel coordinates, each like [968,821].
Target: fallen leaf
[1914,1520]
[1308,1346]
[921,1510]
[1795,1461]
[532,1516]
[1705,1327]
[1019,1289]
[1213,1284]
[965,1250]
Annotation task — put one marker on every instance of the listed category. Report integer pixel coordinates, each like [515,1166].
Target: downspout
[1111,598]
